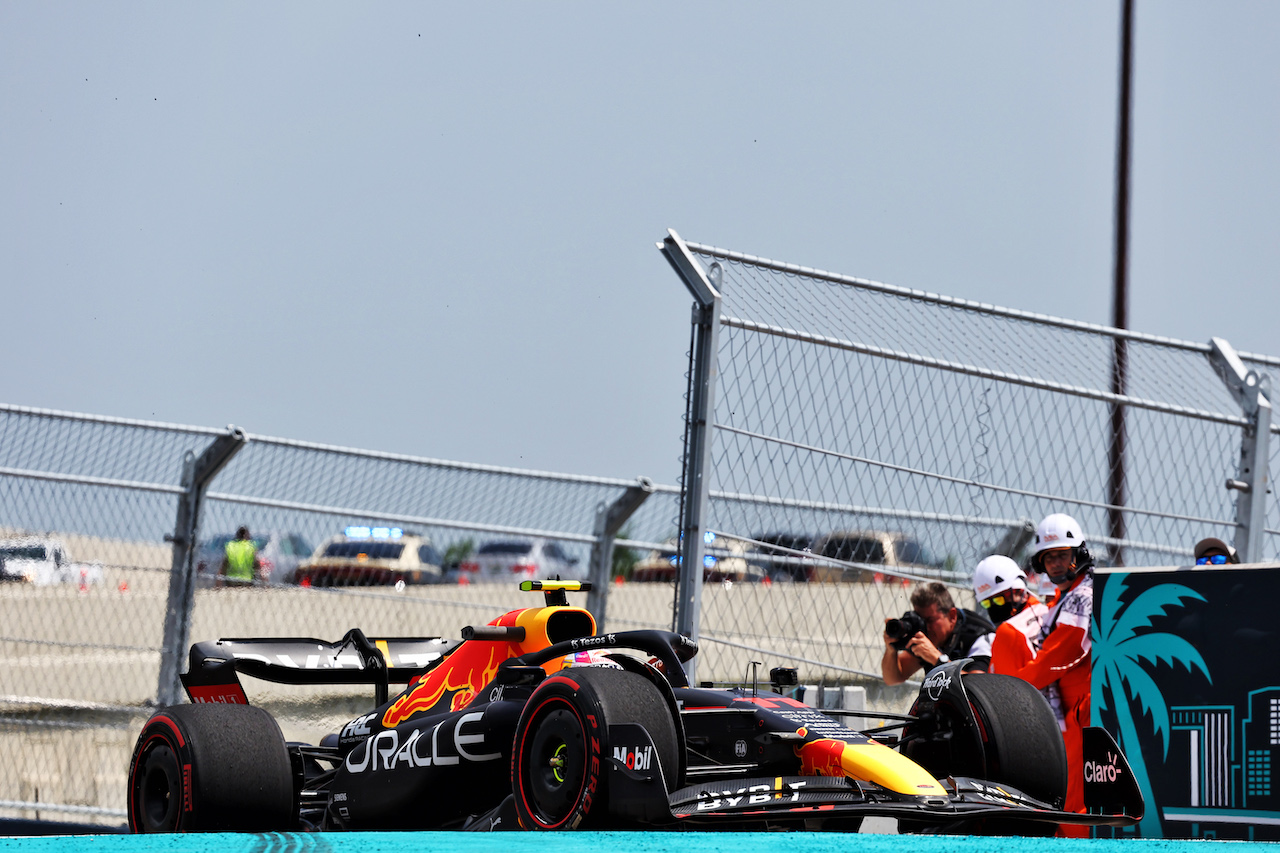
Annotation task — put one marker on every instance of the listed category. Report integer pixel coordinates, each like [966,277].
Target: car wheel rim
[557,765]
[159,795]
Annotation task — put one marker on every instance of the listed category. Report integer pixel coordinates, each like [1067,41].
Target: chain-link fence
[844,430]
[104,518]
[838,430]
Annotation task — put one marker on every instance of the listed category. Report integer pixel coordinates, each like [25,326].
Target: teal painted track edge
[596,842]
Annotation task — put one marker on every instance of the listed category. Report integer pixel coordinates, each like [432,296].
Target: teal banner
[1186,676]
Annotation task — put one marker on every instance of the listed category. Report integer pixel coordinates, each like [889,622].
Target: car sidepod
[428,772]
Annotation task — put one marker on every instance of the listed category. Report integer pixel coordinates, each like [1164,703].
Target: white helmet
[996,574]
[1060,530]
[1057,531]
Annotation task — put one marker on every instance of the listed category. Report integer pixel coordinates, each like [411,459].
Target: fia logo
[740,748]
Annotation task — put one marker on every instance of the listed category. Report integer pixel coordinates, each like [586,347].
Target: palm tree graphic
[1119,651]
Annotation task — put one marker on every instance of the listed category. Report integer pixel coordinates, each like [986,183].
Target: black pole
[1120,289]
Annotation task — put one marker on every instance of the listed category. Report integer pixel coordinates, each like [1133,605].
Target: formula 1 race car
[534,722]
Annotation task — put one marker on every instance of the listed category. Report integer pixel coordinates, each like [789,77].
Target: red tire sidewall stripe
[145,741]
[171,725]
[562,679]
[982,723]
[588,737]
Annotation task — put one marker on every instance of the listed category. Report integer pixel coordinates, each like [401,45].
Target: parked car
[877,547]
[781,563]
[723,559]
[279,551]
[520,559]
[372,556]
[43,561]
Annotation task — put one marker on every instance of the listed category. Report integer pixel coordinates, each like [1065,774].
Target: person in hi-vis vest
[240,564]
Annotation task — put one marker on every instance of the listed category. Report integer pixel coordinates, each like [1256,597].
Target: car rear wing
[213,670]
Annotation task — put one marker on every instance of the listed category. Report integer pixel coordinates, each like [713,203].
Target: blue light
[708,537]
[709,561]
[357,531]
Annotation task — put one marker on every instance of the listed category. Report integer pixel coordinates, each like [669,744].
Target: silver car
[520,559]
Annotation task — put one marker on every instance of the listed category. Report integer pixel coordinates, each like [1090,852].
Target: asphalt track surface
[597,842]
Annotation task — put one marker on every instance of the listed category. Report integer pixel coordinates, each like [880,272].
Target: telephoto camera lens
[900,631]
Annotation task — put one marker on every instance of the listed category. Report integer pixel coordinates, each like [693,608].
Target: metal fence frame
[1248,385]
[185,476]
[604,506]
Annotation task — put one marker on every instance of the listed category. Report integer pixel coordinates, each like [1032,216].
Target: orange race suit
[1018,638]
[1062,670]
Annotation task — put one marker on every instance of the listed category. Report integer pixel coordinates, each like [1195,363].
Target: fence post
[697,461]
[609,520]
[197,473]
[1252,392]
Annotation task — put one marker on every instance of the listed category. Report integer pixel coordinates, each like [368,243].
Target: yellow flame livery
[471,666]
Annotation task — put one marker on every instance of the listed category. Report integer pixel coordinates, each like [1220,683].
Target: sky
[429,228]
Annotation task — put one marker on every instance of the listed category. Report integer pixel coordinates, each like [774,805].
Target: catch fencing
[837,430]
[124,512]
[856,431]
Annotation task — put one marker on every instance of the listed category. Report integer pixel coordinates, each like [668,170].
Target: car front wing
[1112,795]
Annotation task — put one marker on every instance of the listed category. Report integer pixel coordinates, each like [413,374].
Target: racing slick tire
[560,761]
[211,768]
[1017,742]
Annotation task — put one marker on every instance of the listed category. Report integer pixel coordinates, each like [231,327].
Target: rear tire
[559,766]
[211,767]
[1018,743]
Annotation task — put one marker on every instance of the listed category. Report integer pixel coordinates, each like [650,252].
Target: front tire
[1017,743]
[211,767]
[559,765]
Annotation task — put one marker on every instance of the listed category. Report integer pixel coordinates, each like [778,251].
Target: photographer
[934,631]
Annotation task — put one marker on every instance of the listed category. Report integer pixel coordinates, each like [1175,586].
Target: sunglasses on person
[997,600]
[1215,559]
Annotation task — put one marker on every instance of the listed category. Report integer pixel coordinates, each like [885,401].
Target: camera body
[783,677]
[901,630]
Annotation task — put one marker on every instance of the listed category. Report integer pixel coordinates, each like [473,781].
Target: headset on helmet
[996,574]
[1060,530]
